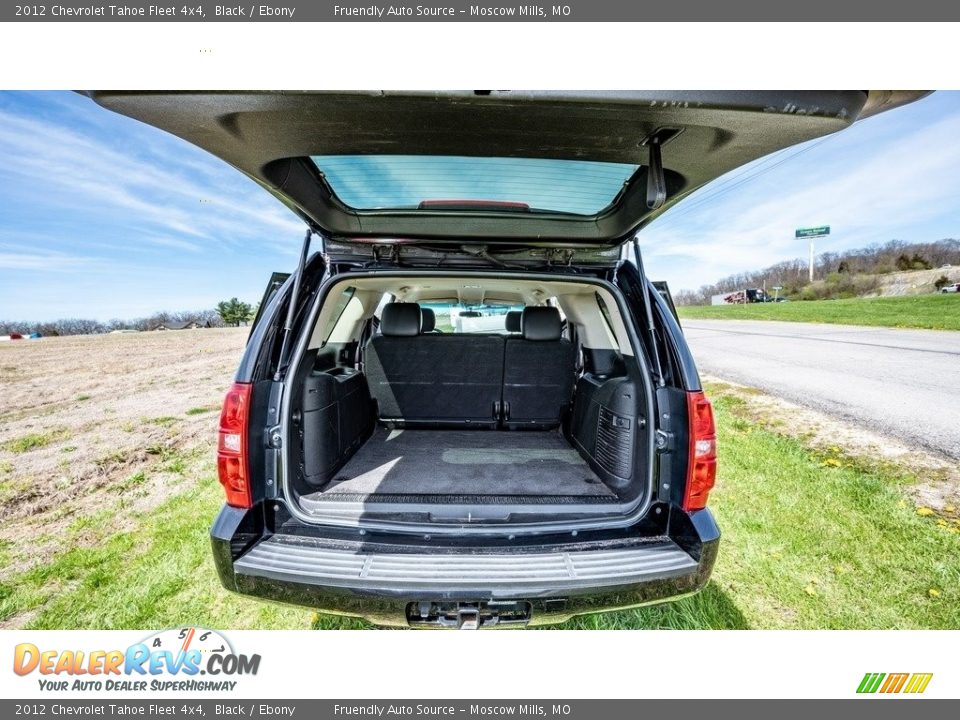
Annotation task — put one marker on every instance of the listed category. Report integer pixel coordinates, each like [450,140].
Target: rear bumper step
[391,581]
[509,574]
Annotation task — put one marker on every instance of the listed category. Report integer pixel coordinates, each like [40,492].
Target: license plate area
[454,615]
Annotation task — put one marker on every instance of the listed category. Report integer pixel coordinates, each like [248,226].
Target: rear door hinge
[273,438]
[666,441]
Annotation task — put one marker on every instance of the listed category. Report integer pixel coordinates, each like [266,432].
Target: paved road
[904,383]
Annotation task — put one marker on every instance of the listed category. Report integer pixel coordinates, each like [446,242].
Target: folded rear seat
[538,371]
[432,380]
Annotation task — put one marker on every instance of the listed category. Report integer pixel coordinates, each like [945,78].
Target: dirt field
[93,423]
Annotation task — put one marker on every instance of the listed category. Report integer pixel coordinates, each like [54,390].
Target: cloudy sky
[103,217]
[893,176]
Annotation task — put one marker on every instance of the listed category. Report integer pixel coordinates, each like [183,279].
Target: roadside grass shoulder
[933,312]
[811,540]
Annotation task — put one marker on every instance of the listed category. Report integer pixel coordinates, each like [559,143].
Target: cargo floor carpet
[484,466]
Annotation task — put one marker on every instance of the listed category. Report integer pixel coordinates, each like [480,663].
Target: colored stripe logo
[913,683]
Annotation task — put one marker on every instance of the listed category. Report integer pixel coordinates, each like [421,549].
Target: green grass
[33,441]
[201,410]
[163,421]
[933,312]
[6,547]
[131,482]
[158,574]
[175,464]
[810,540]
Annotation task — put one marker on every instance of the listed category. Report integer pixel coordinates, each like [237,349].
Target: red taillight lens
[232,465]
[702,466]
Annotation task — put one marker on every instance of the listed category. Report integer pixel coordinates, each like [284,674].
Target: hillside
[913,282]
[893,268]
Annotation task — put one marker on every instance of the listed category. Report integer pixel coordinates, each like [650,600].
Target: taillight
[702,465]
[232,463]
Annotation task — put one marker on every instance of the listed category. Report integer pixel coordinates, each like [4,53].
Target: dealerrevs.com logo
[181,659]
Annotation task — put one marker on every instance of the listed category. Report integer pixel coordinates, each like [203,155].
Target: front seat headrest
[513,321]
[541,323]
[428,320]
[400,320]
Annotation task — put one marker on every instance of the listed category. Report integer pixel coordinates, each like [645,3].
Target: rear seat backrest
[401,319]
[513,321]
[428,321]
[432,379]
[538,371]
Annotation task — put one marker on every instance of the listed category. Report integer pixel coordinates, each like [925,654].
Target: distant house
[192,325]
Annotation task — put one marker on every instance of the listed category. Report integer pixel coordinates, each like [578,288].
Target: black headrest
[400,319]
[541,323]
[428,321]
[513,320]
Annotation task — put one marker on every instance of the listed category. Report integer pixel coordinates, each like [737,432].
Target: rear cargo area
[524,425]
[474,466]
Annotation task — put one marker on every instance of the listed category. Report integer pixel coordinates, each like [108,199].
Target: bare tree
[83,326]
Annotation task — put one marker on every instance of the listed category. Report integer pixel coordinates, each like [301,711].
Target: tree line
[229,312]
[849,272]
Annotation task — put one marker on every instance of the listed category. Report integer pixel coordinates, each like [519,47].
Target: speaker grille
[615,443]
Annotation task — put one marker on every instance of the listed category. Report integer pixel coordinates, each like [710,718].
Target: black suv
[467,406]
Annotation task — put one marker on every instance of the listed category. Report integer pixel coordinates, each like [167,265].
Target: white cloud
[48,261]
[77,171]
[171,242]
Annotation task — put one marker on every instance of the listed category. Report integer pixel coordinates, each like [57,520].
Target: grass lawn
[811,540]
[934,312]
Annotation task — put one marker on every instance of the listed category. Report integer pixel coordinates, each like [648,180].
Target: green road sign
[813,232]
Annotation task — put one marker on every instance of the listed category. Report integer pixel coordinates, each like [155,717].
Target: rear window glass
[378,182]
[461,318]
